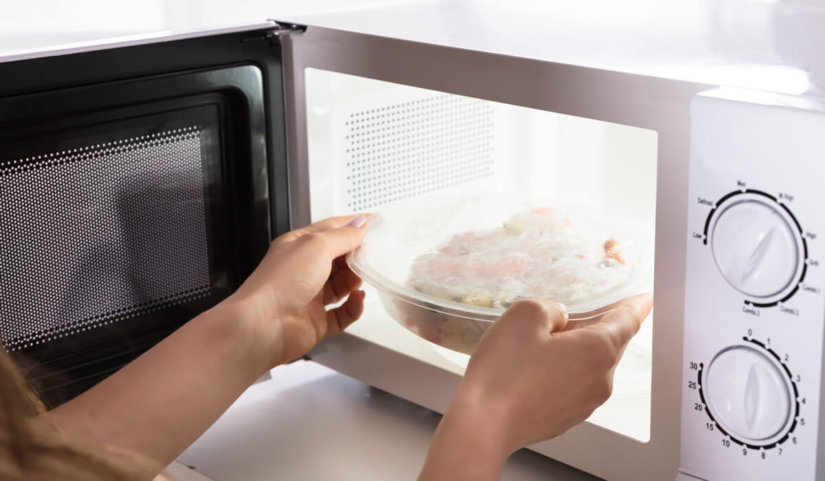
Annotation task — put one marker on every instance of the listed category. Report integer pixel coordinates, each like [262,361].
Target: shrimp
[612,251]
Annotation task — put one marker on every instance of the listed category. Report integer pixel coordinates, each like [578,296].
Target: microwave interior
[373,143]
[134,194]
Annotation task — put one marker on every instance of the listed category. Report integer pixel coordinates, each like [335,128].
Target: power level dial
[755,248]
[749,395]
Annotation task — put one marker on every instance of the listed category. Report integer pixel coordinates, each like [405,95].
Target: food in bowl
[447,268]
[534,254]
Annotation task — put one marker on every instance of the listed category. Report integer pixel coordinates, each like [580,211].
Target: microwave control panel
[754,303]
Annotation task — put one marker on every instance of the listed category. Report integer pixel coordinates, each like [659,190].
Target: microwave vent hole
[405,149]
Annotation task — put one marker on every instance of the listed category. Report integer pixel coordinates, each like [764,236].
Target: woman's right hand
[532,377]
[291,298]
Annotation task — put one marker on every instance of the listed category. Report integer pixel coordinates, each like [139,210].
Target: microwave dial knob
[748,395]
[755,248]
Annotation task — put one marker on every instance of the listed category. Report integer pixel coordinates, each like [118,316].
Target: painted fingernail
[358,220]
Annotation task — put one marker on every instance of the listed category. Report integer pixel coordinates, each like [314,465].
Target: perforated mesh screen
[411,148]
[100,234]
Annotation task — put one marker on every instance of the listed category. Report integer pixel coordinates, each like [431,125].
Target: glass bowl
[400,234]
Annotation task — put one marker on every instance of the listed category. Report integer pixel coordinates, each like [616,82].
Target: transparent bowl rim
[356,262]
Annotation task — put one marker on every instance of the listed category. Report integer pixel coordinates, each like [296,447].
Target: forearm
[162,401]
[468,445]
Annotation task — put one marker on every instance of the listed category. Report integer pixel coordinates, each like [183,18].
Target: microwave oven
[140,183]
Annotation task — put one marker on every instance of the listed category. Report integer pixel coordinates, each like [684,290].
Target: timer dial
[755,248]
[748,394]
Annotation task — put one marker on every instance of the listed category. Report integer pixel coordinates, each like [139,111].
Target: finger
[344,239]
[342,316]
[582,323]
[597,318]
[328,224]
[543,315]
[624,321]
[340,284]
[338,264]
[320,226]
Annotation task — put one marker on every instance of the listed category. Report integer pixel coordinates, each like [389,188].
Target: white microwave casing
[668,106]
[646,96]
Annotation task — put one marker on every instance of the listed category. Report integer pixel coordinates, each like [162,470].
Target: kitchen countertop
[311,423]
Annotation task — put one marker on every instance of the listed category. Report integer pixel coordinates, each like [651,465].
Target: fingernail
[358,220]
[562,307]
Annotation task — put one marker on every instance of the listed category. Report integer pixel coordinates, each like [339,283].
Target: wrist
[470,442]
[239,324]
[485,421]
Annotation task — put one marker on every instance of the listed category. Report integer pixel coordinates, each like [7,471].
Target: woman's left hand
[286,298]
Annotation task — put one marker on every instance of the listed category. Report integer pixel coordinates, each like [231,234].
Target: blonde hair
[33,449]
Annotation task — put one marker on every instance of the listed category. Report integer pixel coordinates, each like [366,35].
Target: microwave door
[139,185]
[376,120]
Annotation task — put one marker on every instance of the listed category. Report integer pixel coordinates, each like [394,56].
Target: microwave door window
[459,182]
